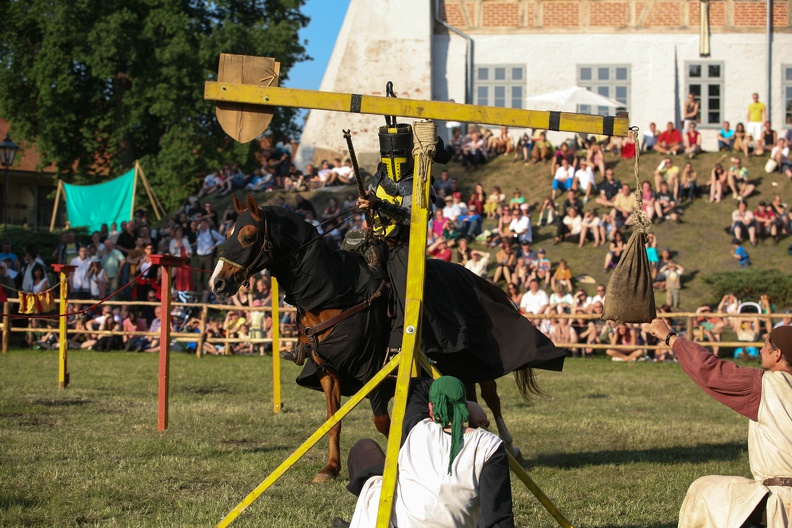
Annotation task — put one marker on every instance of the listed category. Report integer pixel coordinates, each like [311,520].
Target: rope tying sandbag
[630,290]
[424,140]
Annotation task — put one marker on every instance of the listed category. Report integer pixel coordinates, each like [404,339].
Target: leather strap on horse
[311,331]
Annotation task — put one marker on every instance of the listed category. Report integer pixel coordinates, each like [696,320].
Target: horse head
[246,251]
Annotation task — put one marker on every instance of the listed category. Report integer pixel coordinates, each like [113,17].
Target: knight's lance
[355,168]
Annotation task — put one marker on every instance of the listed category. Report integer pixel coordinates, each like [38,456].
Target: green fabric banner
[104,203]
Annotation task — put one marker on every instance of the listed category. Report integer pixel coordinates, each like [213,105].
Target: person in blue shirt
[725,137]
[740,253]
[469,225]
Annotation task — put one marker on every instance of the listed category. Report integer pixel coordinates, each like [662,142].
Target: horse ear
[255,211]
[240,207]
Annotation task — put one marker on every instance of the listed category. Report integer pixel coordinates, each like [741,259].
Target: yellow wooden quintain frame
[241,100]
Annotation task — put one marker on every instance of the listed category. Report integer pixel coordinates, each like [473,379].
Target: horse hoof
[515,453]
[321,478]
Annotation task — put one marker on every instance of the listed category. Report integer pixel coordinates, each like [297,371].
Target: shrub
[748,284]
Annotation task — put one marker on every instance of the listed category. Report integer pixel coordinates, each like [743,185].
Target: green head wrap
[447,396]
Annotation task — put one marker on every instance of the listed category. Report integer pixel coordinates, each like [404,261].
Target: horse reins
[266,245]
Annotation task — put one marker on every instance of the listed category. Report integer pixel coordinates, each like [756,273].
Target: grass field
[613,445]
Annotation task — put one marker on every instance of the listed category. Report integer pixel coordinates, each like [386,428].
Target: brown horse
[470,328]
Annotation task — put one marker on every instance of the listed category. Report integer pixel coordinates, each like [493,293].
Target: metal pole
[5,208]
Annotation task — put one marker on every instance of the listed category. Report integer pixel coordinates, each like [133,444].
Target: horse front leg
[332,391]
[383,422]
[489,393]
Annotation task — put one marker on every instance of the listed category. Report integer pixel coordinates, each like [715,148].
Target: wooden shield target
[245,122]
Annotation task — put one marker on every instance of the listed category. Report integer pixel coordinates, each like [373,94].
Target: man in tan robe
[764,396]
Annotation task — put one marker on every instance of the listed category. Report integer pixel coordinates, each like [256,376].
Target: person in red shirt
[439,249]
[692,141]
[670,141]
[766,224]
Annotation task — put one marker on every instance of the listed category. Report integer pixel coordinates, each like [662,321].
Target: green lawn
[611,444]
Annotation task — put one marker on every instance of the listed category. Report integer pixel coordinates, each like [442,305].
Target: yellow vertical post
[424,132]
[276,388]
[63,341]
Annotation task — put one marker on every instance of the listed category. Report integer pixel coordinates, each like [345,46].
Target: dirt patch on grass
[61,403]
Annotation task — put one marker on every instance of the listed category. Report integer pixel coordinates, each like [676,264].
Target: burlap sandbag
[630,296]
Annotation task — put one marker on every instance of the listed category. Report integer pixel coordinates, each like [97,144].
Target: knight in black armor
[389,200]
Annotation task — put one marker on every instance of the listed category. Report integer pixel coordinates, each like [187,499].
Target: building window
[501,85]
[705,81]
[786,94]
[612,82]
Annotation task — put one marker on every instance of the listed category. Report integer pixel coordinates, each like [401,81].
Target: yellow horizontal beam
[378,105]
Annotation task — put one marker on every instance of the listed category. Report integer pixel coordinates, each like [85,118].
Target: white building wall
[657,68]
[373,47]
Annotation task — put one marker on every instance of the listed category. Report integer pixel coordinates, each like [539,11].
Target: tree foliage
[98,84]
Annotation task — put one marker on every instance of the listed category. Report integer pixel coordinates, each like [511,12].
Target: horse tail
[527,384]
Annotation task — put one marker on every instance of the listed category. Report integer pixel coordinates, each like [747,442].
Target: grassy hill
[699,244]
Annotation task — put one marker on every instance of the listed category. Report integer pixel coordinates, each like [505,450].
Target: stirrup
[297,355]
[390,353]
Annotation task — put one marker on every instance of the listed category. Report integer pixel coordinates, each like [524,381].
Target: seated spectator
[504,221]
[780,155]
[547,212]
[543,268]
[782,217]
[478,263]
[261,181]
[524,148]
[474,151]
[528,254]
[767,140]
[562,275]
[669,173]
[502,143]
[563,333]
[648,200]
[628,148]
[436,226]
[506,259]
[443,185]
[572,201]
[766,225]
[624,336]
[743,221]
[725,137]
[740,253]
[692,141]
[454,146]
[670,141]
[469,224]
[439,249]
[535,300]
[595,158]
[520,226]
[609,189]
[494,202]
[624,205]
[237,181]
[451,234]
[456,209]
[564,178]
[709,328]
[738,180]
[477,198]
[211,184]
[584,180]
[650,137]
[687,182]
[742,140]
[665,204]
[514,293]
[570,227]
[615,251]
[523,271]
[563,152]
[591,229]
[542,149]
[718,182]
[560,299]
[517,200]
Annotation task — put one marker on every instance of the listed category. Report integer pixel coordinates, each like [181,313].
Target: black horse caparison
[470,328]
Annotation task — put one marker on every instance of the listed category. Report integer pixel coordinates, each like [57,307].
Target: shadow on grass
[212,389]
[61,403]
[671,525]
[672,455]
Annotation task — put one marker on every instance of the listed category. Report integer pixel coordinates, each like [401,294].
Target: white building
[648,54]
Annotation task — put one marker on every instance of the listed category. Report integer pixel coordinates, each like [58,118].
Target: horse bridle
[266,249]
